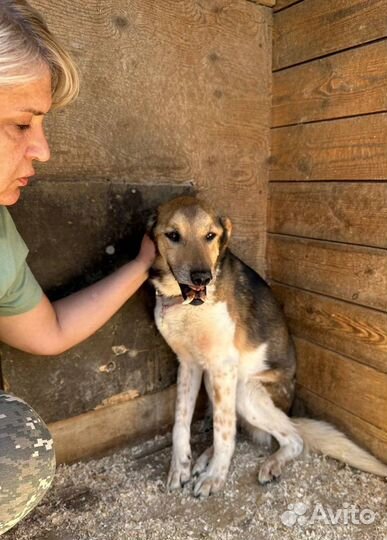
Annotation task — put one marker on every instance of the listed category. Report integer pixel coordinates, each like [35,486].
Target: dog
[224,324]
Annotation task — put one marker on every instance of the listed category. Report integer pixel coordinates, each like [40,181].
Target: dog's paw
[202,461]
[208,484]
[179,473]
[270,470]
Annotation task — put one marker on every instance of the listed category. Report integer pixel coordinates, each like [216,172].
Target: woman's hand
[147,252]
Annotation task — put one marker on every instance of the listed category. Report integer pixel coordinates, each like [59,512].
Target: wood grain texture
[311,29]
[364,433]
[348,149]
[281,4]
[340,211]
[356,388]
[171,92]
[347,84]
[95,432]
[354,331]
[327,247]
[268,3]
[68,227]
[347,272]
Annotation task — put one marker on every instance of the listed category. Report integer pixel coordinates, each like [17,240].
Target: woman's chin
[8,199]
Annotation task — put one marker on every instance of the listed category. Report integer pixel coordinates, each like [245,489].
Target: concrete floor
[122,496]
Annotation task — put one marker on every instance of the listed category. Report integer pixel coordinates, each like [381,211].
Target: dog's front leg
[188,385]
[222,383]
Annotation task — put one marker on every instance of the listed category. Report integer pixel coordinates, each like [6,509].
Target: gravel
[123,496]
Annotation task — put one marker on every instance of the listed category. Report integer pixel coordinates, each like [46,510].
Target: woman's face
[22,139]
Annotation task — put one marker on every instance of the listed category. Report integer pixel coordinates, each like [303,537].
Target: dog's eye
[173,236]
[210,236]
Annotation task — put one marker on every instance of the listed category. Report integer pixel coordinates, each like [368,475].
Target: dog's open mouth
[193,295]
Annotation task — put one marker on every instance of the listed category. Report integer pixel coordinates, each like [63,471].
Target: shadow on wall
[78,233]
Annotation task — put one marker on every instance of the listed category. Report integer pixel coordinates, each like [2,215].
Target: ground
[123,497]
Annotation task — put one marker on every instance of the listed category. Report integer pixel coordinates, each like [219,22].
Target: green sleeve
[23,295]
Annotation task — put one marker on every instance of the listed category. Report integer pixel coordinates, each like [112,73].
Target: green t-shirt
[19,290]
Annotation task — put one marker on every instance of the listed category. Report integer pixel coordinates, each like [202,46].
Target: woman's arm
[51,329]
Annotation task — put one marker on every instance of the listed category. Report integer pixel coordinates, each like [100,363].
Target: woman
[36,74]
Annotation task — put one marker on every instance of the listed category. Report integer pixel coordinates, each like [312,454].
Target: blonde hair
[26,45]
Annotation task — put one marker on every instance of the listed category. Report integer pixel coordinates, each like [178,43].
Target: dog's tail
[321,437]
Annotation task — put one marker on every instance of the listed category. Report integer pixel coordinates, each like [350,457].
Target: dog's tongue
[195,297]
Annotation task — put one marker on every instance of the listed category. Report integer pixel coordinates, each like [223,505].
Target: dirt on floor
[123,496]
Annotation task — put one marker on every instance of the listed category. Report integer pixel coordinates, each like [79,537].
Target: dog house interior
[274,112]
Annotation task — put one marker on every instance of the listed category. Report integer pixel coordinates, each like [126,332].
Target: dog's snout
[201,277]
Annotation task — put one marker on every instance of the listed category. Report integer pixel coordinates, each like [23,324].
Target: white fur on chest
[202,334]
[205,334]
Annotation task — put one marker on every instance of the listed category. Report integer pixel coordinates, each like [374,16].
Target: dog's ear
[151,224]
[226,225]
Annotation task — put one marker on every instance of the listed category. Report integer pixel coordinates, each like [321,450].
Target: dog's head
[191,239]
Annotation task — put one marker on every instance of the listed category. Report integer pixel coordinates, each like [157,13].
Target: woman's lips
[23,181]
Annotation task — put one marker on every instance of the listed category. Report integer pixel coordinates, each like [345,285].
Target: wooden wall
[175,96]
[172,93]
[327,241]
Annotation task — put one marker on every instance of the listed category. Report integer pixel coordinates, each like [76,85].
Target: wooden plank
[348,149]
[364,433]
[96,432]
[356,388]
[346,84]
[354,331]
[192,89]
[311,29]
[344,212]
[347,272]
[268,3]
[281,4]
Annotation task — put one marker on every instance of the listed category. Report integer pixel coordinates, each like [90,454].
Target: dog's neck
[169,300]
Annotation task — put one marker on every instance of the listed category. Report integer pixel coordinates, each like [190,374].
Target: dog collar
[169,301]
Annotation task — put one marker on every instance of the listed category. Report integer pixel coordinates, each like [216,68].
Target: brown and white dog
[222,321]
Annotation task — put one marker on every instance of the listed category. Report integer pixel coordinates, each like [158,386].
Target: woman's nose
[38,148]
